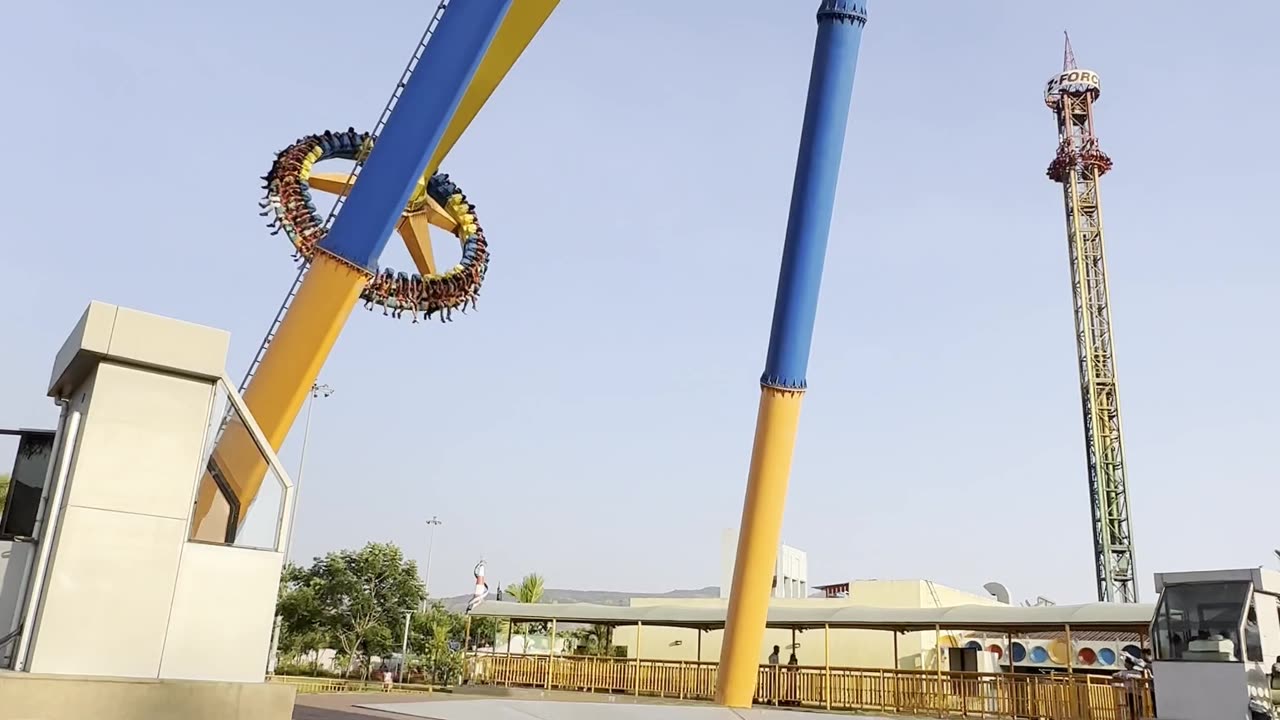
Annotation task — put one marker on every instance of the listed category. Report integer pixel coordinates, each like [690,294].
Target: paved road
[339,706]
[532,705]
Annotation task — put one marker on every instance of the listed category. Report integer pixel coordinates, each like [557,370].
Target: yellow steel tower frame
[1078,165]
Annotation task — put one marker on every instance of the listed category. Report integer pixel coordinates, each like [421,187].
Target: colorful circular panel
[1058,652]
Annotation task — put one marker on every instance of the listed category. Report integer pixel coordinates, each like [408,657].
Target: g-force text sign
[1072,81]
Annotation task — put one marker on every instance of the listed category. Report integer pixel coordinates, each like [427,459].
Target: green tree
[596,640]
[529,590]
[433,635]
[301,626]
[484,630]
[4,488]
[360,597]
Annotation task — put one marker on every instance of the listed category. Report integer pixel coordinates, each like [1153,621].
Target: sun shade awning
[1132,617]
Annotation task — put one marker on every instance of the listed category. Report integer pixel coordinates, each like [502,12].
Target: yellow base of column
[280,386]
[758,538]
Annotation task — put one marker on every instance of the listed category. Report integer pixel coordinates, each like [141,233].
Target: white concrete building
[790,574]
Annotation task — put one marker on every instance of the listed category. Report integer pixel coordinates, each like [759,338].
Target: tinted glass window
[35,450]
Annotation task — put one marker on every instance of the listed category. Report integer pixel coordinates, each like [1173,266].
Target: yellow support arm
[289,368]
[413,226]
[523,21]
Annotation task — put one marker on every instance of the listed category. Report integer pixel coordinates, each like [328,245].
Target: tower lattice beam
[1078,165]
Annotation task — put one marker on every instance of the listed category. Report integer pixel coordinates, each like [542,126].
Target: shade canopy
[1124,617]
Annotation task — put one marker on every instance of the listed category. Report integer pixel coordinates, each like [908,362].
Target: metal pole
[937,646]
[404,645]
[551,653]
[466,643]
[434,522]
[317,390]
[639,627]
[826,665]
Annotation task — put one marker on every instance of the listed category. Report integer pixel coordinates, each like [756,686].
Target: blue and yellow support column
[349,253]
[783,383]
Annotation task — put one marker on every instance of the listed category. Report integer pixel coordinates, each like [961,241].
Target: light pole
[318,390]
[404,646]
[434,522]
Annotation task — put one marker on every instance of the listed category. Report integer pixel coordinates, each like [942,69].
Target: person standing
[774,675]
[1126,681]
[793,679]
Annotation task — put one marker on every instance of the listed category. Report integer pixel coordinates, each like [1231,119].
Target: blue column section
[430,97]
[826,113]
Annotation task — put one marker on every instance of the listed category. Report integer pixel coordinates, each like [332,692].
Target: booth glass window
[1252,636]
[1201,622]
[236,469]
[26,483]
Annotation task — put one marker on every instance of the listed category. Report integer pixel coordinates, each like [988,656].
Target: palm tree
[528,591]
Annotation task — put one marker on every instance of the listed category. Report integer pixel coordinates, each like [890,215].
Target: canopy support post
[826,664]
[551,653]
[636,684]
[937,651]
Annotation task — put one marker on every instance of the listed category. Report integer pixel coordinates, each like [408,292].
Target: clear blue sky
[593,420]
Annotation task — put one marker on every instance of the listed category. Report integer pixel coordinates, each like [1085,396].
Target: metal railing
[1063,696]
[325,686]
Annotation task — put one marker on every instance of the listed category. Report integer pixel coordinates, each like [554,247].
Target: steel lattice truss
[1078,166]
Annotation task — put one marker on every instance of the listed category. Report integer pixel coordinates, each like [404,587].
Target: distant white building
[790,573]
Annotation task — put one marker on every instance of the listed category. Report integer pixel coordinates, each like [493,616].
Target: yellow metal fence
[318,686]
[909,692]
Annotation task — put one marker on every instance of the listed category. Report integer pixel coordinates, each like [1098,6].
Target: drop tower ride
[1077,166]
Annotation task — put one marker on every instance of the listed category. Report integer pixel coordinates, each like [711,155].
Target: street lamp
[404,647]
[434,522]
[318,390]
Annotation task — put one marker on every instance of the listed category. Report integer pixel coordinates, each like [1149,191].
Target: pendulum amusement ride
[465,52]
[395,186]
[1078,165]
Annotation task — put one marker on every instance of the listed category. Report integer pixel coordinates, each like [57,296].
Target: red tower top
[1071,94]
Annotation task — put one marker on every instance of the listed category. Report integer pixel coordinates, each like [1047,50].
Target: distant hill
[598,597]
